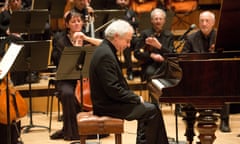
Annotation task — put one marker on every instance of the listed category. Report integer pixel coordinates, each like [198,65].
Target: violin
[17,105]
[87,102]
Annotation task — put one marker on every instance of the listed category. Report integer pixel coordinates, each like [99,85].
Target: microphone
[193,26]
[81,59]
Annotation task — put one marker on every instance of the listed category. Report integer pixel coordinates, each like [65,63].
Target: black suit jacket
[110,93]
[195,42]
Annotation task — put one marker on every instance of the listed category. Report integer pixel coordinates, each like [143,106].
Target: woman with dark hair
[71,36]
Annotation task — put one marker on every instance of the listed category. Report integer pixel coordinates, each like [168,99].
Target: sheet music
[9,58]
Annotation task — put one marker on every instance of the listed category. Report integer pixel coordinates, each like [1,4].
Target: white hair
[120,27]
[158,10]
[211,14]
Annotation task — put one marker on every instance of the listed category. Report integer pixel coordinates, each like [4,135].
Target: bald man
[203,40]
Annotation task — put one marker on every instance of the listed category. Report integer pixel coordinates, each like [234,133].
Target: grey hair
[211,14]
[158,10]
[120,27]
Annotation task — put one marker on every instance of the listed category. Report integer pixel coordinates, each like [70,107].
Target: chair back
[183,6]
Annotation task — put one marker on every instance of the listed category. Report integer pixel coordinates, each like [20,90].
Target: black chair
[51,84]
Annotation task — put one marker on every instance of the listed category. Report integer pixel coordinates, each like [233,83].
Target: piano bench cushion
[89,124]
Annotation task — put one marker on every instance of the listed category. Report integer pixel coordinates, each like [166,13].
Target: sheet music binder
[29,21]
[55,7]
[9,58]
[67,65]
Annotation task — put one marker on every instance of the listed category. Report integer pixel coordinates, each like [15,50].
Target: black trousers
[15,132]
[151,127]
[70,106]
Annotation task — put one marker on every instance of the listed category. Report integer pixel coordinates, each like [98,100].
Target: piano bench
[89,124]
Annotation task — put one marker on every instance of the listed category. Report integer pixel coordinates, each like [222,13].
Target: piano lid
[229,26]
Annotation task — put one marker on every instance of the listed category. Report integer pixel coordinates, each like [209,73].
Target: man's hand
[152,41]
[157,57]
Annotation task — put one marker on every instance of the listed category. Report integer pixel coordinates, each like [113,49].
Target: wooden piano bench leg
[118,138]
[89,124]
[83,139]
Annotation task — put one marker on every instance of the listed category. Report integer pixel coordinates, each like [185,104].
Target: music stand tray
[67,69]
[55,7]
[31,22]
[35,54]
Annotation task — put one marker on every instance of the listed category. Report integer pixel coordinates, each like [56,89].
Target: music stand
[104,17]
[68,66]
[31,22]
[55,7]
[33,57]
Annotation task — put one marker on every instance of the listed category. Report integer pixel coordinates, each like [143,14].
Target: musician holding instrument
[153,43]
[203,41]
[72,36]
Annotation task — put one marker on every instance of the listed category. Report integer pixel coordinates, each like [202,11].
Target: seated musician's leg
[151,128]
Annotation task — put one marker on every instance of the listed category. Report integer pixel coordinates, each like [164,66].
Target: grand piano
[207,81]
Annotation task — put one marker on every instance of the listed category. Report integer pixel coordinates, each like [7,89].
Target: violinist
[72,36]
[83,7]
[153,43]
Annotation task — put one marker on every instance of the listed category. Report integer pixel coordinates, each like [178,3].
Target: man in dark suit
[110,93]
[153,43]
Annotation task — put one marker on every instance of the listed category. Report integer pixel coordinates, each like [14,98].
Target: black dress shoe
[130,76]
[224,126]
[57,135]
[72,138]
[95,136]
[75,142]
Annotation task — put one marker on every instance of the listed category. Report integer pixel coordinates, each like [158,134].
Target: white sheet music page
[9,58]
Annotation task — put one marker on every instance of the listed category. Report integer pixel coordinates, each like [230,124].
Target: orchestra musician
[153,43]
[72,36]
[84,8]
[203,41]
[110,93]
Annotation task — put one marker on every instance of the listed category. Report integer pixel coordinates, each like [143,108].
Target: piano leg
[189,119]
[207,126]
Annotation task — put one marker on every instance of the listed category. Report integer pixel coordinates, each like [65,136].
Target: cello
[17,105]
[86,99]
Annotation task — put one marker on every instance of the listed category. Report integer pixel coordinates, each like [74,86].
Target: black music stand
[104,17]
[71,57]
[35,54]
[30,22]
[55,7]
[33,57]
